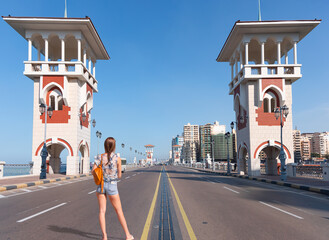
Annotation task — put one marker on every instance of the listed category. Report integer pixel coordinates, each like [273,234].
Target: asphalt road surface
[166,203]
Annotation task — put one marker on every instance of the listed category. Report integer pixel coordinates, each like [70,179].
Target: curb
[285,184]
[41,182]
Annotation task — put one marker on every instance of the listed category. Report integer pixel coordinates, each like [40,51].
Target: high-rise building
[191,142]
[305,148]
[320,143]
[296,145]
[220,143]
[205,141]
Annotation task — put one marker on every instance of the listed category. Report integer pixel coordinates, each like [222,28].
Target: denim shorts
[109,188]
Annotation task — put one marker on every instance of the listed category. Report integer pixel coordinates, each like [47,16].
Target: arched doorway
[243,161]
[81,158]
[269,157]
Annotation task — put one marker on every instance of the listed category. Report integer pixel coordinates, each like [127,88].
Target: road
[166,203]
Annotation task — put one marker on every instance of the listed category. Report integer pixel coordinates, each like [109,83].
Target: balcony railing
[72,69]
[290,71]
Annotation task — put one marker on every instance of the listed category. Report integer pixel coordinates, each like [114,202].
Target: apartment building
[205,141]
[191,144]
[305,144]
[297,145]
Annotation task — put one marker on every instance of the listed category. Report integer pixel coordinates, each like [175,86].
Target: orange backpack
[98,175]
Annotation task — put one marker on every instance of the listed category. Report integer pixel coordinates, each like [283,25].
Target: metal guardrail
[313,171]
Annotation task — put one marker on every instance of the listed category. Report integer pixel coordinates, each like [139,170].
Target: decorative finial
[65,12]
[259,12]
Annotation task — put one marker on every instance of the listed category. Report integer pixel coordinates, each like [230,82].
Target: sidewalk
[15,182]
[33,180]
[308,184]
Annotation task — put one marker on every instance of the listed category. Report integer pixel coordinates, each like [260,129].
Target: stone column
[241,63]
[291,169]
[85,57]
[325,172]
[79,50]
[246,49]
[63,50]
[286,58]
[253,167]
[46,49]
[72,165]
[262,60]
[29,49]
[295,52]
[94,69]
[2,163]
[279,52]
[36,169]
[89,64]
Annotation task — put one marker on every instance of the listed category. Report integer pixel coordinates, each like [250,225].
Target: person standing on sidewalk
[111,173]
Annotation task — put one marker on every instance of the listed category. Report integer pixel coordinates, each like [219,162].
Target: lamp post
[227,136]
[233,145]
[279,112]
[44,153]
[99,136]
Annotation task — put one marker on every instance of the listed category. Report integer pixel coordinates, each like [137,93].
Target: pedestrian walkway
[16,182]
[304,183]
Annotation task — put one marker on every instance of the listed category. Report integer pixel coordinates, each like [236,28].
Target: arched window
[56,99]
[52,102]
[269,102]
[265,105]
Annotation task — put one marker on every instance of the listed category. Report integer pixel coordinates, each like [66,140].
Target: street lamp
[44,153]
[279,112]
[233,145]
[99,136]
[227,136]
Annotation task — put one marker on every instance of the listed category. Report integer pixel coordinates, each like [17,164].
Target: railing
[16,169]
[266,70]
[312,171]
[51,67]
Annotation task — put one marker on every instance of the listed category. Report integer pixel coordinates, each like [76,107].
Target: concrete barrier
[2,163]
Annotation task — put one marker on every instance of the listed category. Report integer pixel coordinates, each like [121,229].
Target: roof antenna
[65,12]
[259,12]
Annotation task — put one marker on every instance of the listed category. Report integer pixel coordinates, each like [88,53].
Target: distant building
[220,143]
[177,141]
[296,145]
[305,144]
[205,141]
[176,153]
[191,142]
[320,143]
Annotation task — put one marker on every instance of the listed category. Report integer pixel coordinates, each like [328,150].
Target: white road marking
[92,192]
[134,175]
[42,212]
[291,214]
[127,177]
[230,189]
[26,190]
[42,187]
[1,196]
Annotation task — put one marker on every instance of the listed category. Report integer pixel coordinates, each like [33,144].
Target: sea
[22,169]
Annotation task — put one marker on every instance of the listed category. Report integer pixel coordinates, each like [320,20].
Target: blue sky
[162,73]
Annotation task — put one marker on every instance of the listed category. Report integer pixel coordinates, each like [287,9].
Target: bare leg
[102,209]
[116,203]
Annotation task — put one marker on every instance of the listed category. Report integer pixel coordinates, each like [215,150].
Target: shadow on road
[75,232]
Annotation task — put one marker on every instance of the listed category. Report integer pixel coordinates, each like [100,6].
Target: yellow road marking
[150,215]
[186,221]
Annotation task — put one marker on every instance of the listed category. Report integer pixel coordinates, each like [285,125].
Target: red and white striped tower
[263,60]
[62,53]
[149,153]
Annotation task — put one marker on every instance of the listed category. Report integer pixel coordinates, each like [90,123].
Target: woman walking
[111,165]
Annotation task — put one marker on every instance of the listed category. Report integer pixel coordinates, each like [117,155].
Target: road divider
[182,211]
[150,214]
